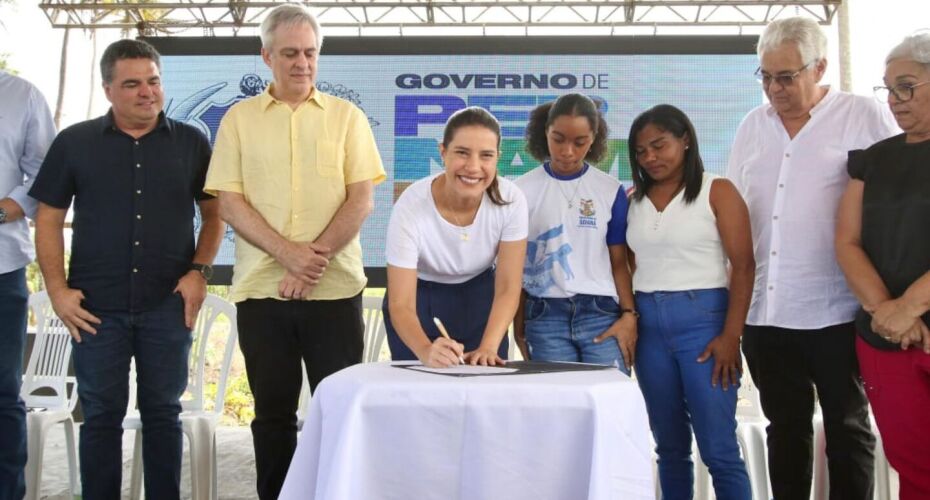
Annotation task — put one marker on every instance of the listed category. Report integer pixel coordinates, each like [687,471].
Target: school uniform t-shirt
[566,252]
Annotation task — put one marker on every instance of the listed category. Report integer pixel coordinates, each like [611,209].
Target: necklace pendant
[464,236]
[569,204]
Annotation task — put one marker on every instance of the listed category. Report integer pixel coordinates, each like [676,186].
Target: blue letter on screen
[493,102]
[407,115]
[412,157]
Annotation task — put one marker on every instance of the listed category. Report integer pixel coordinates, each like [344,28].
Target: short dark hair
[126,49]
[475,116]
[571,105]
[669,119]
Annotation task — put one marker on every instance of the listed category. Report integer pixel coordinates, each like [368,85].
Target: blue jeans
[13,311]
[564,329]
[674,329]
[160,343]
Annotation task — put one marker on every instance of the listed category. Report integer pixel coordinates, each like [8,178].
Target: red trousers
[898,386]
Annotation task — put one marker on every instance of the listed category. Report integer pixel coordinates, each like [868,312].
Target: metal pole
[844,47]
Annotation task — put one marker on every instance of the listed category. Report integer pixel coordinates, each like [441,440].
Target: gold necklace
[570,201]
[463,231]
[574,193]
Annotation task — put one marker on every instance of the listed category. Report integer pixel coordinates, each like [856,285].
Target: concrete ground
[236,465]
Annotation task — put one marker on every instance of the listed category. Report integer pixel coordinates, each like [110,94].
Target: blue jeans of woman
[463,309]
[564,329]
[13,307]
[674,329]
[160,343]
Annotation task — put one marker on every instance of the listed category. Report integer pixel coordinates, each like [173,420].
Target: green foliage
[221,291]
[34,277]
[240,405]
[5,64]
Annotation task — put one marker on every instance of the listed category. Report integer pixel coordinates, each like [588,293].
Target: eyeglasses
[784,79]
[903,92]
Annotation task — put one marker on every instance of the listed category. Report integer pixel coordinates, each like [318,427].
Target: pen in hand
[442,330]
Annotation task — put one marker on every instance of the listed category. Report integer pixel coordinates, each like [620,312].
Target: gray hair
[802,31]
[289,14]
[915,48]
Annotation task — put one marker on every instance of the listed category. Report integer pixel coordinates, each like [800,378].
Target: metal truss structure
[216,17]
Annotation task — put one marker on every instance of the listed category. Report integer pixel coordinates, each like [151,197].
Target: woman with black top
[883,246]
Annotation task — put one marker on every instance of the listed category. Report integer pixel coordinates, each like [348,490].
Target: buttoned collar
[109,124]
[267,99]
[821,104]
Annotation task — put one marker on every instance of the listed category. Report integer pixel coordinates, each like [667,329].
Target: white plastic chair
[822,472]
[46,372]
[198,423]
[375,336]
[750,433]
[375,332]
[883,471]
[303,401]
[703,486]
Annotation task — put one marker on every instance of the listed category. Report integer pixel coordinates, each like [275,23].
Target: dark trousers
[463,309]
[13,311]
[786,365]
[160,343]
[274,336]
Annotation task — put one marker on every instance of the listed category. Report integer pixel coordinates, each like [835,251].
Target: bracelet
[631,311]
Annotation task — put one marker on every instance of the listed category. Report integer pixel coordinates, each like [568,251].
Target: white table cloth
[376,431]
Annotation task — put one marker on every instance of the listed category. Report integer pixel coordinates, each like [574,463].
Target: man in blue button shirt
[26,130]
[136,280]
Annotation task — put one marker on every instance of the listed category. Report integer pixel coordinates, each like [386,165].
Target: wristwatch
[2,215]
[206,270]
[631,311]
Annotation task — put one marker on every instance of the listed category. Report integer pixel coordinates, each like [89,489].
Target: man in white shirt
[26,130]
[789,163]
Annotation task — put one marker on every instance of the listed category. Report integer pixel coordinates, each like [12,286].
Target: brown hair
[475,116]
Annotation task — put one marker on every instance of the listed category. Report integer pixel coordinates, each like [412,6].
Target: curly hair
[542,116]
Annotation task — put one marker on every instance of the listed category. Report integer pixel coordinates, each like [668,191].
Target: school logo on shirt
[587,216]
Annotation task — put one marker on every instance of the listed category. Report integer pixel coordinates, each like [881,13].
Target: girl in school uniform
[579,302]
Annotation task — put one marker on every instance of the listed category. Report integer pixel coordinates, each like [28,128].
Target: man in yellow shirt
[294,170]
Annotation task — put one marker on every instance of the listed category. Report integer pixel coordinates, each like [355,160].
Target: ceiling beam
[176,16]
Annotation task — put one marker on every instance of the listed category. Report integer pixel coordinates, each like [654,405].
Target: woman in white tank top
[684,226]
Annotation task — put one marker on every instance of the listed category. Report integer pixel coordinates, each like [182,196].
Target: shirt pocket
[329,156]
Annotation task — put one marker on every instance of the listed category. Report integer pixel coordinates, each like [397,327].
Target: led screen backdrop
[408,87]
